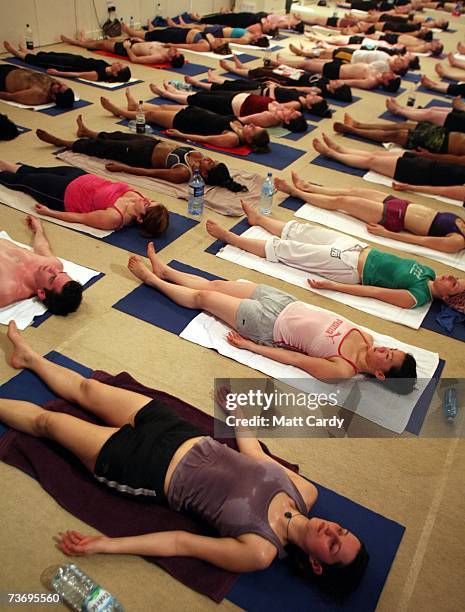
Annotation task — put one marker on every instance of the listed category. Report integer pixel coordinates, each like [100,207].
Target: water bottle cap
[270,174]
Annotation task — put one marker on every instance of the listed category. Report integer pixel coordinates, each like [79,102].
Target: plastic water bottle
[195,203]
[180,85]
[131,22]
[29,37]
[79,591]
[140,119]
[267,59]
[266,196]
[450,404]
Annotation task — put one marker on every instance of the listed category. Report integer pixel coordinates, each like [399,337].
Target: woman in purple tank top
[258,506]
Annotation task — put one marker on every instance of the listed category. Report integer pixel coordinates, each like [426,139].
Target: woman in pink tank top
[72,195]
[276,325]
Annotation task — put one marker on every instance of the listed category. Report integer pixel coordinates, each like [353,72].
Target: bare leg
[83,131]
[197,83]
[7,166]
[256,247]
[54,140]
[454,62]
[133,33]
[435,85]
[388,126]
[233,67]
[113,405]
[368,194]
[435,115]
[16,52]
[398,136]
[164,92]
[455,74]
[105,45]
[273,226]
[213,77]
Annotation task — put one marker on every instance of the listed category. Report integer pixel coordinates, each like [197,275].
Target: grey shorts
[257,315]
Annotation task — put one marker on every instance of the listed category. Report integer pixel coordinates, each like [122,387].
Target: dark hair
[66,301]
[273,32]
[223,49]
[370,30]
[337,579]
[65,99]
[402,380]
[342,93]
[219,176]
[392,85]
[445,26]
[438,50]
[263,41]
[122,76]
[320,109]
[298,124]
[427,35]
[8,129]
[299,27]
[414,63]
[155,221]
[260,142]
[177,61]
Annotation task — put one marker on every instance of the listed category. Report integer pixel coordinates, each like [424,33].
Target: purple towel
[65,479]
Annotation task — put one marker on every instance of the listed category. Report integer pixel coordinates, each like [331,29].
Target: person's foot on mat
[8,46]
[130,100]
[340,128]
[158,267]
[320,148]
[215,230]
[22,352]
[82,130]
[109,106]
[158,91]
[282,185]
[332,144]
[461,48]
[251,212]
[439,69]
[427,82]
[348,120]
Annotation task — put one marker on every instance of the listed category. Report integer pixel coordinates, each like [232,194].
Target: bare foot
[158,91]
[320,147]
[213,77]
[237,61]
[300,183]
[190,80]
[34,224]
[50,138]
[158,267]
[427,82]
[253,216]
[283,185]
[130,100]
[22,352]
[8,46]
[82,130]
[296,50]
[461,48]
[348,120]
[332,144]
[109,106]
[214,229]
[225,65]
[439,69]
[137,267]
[8,166]
[451,58]
[341,128]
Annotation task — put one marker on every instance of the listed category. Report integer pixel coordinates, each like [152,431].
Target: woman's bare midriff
[418,219]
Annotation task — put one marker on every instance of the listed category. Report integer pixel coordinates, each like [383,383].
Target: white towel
[210,54]
[23,312]
[25,203]
[270,49]
[109,85]
[348,225]
[404,316]
[379,405]
[380,179]
[297,9]
[35,107]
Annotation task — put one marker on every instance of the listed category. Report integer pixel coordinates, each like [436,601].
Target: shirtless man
[25,273]
[362,76]
[33,88]
[136,50]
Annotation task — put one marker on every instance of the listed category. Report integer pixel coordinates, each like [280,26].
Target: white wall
[50,18]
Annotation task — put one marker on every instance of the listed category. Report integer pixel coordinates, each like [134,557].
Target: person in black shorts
[70,65]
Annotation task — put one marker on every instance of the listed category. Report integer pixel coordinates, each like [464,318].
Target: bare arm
[228,140]
[107,219]
[444,157]
[90,76]
[446,244]
[396,297]
[143,59]
[178,174]
[263,119]
[40,243]
[24,96]
[360,83]
[456,192]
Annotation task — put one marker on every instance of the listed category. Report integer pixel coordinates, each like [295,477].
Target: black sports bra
[178,157]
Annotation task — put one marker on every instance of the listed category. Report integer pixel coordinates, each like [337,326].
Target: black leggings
[46,185]
[456,89]
[219,102]
[237,85]
[131,149]
[234,20]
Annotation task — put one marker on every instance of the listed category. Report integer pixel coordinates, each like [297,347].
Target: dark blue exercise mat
[19,62]
[429,322]
[292,203]
[278,588]
[27,386]
[341,102]
[332,164]
[280,157]
[55,110]
[238,229]
[23,130]
[434,102]
[151,306]
[433,92]
[39,320]
[383,92]
[411,77]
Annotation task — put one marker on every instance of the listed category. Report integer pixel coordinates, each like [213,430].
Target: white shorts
[317,250]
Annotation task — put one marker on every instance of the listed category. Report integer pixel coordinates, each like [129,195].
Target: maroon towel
[65,479]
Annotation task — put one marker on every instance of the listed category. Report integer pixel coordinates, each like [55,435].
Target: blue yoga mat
[23,130]
[412,77]
[434,102]
[280,157]
[429,322]
[39,320]
[151,306]
[276,588]
[189,69]
[27,386]
[238,229]
[382,92]
[129,238]
[332,164]
[18,62]
[341,103]
[55,111]
[423,89]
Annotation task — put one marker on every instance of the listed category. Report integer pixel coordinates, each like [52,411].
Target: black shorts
[421,171]
[134,460]
[4,72]
[392,39]
[119,49]
[332,69]
[455,121]
[331,22]
[356,40]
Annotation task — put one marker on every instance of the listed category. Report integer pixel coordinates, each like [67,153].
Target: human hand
[400,186]
[52,71]
[34,223]
[321,283]
[173,132]
[43,210]
[114,166]
[376,229]
[74,543]
[235,339]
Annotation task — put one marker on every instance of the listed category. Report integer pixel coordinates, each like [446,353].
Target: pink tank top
[90,192]
[317,333]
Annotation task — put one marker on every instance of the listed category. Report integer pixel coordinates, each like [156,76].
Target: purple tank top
[444,223]
[229,490]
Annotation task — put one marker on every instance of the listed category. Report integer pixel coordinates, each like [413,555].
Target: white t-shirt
[378,59]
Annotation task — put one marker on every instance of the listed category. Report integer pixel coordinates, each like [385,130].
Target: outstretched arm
[456,192]
[178,174]
[228,553]
[107,219]
[228,140]
[445,244]
[396,297]
[90,76]
[40,243]
[24,96]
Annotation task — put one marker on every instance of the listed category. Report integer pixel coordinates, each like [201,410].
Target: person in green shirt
[345,263]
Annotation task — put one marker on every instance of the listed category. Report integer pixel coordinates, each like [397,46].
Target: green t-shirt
[393,272]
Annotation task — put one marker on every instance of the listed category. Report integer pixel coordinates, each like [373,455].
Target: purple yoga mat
[69,483]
